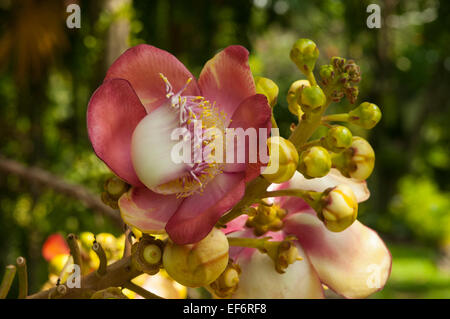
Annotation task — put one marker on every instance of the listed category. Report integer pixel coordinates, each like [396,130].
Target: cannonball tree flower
[147,94]
[354,263]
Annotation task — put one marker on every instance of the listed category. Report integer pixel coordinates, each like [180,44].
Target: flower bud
[338,139]
[339,208]
[266,218]
[366,115]
[147,254]
[228,281]
[338,63]
[283,160]
[199,264]
[304,54]
[293,95]
[268,88]
[326,73]
[314,162]
[283,253]
[312,98]
[357,161]
[115,187]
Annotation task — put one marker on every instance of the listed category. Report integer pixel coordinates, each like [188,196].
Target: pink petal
[260,280]
[146,210]
[113,113]
[333,178]
[253,113]
[236,224]
[141,66]
[200,212]
[354,263]
[227,79]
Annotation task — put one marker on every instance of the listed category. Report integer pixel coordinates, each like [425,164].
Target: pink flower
[145,96]
[354,263]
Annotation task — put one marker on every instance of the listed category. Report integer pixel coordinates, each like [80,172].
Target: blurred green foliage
[48,72]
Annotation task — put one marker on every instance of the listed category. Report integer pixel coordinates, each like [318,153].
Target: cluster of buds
[357,161]
[283,160]
[265,218]
[340,78]
[338,208]
[113,188]
[228,281]
[199,264]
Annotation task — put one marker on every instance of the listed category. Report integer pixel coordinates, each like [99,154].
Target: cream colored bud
[293,95]
[199,264]
[339,208]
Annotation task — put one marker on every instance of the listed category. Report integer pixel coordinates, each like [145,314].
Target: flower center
[203,126]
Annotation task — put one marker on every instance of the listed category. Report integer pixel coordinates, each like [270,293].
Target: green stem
[305,146]
[7,281]
[258,243]
[336,118]
[23,277]
[311,78]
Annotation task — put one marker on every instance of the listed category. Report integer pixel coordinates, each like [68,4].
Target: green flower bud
[338,63]
[357,161]
[268,88]
[283,160]
[304,54]
[339,208]
[293,95]
[366,115]
[199,264]
[315,162]
[115,187]
[338,139]
[312,98]
[326,73]
[266,218]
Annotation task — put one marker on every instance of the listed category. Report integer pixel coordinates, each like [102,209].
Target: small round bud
[357,161]
[312,98]
[366,115]
[283,160]
[338,139]
[338,63]
[147,254]
[315,162]
[115,187]
[304,54]
[268,88]
[228,281]
[326,73]
[339,208]
[293,95]
[199,264]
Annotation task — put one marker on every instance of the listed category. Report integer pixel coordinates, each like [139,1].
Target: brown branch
[117,274]
[60,185]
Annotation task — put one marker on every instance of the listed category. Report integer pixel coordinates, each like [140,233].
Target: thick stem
[98,249]
[23,277]
[343,117]
[7,281]
[75,250]
[116,274]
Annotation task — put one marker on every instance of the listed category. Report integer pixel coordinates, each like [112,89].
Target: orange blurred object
[53,246]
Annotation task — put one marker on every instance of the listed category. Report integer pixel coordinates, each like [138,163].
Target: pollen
[204,121]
